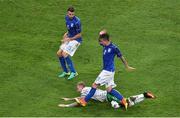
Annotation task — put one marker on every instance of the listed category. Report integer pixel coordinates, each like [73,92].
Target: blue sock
[63,64]
[70,64]
[90,94]
[116,94]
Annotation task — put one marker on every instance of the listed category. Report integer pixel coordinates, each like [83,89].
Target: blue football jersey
[74,27]
[109,52]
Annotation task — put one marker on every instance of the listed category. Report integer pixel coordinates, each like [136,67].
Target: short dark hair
[104,36]
[71,9]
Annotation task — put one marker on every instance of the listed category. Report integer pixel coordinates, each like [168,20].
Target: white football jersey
[99,95]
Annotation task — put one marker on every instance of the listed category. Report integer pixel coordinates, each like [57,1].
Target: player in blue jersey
[106,77]
[71,41]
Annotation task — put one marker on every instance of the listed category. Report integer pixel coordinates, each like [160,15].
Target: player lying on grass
[104,96]
[106,77]
[71,41]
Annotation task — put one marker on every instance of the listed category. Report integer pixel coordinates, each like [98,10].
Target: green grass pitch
[147,32]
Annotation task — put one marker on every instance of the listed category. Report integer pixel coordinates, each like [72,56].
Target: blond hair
[81,83]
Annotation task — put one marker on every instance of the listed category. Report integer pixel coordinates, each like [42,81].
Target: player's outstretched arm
[69,99]
[74,104]
[128,68]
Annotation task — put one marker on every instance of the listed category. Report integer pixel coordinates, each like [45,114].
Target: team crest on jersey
[72,24]
[109,50]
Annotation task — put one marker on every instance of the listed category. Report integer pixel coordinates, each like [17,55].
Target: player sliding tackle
[103,96]
[106,77]
[71,41]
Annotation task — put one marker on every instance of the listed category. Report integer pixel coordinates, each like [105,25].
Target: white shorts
[70,47]
[106,78]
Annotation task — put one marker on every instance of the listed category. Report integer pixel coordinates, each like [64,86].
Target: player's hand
[130,69]
[62,41]
[66,99]
[67,39]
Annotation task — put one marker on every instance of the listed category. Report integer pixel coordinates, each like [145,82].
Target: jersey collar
[69,18]
[109,44]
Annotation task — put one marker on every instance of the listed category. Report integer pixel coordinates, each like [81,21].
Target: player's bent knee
[59,54]
[94,85]
[64,54]
[109,89]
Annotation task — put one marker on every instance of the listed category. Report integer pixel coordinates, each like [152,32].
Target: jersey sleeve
[78,26]
[117,51]
[85,91]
